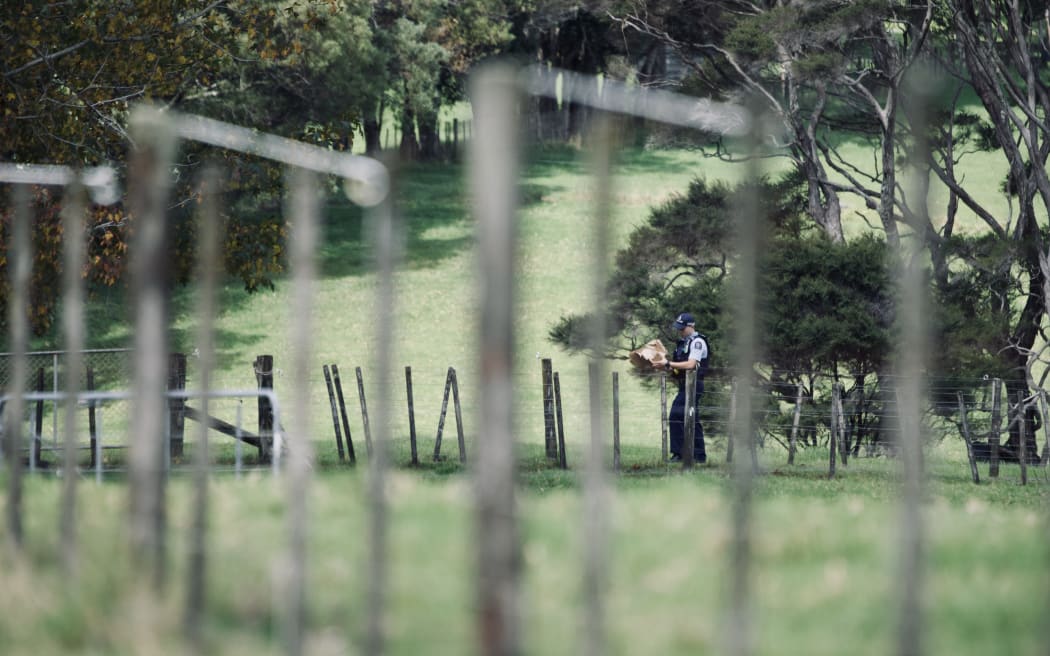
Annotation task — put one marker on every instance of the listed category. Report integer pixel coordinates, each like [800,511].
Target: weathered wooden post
[495,99]
[148,185]
[731,426]
[455,138]
[792,445]
[966,438]
[663,416]
[859,403]
[176,405]
[92,425]
[616,420]
[562,460]
[264,377]
[832,438]
[302,206]
[238,446]
[342,413]
[335,412]
[73,247]
[993,435]
[843,442]
[20,258]
[550,438]
[441,418]
[208,264]
[459,418]
[411,417]
[98,451]
[38,424]
[364,410]
[1022,433]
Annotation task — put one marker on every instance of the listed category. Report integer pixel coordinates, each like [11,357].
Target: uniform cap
[684,319]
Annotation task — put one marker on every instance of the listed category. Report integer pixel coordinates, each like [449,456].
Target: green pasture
[825,551]
[823,578]
[437,287]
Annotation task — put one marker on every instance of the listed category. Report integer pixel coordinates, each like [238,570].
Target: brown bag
[643,358]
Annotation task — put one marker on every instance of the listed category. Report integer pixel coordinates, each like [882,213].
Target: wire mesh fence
[103,369]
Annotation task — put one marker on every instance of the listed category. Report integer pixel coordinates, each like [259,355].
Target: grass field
[823,577]
[825,550]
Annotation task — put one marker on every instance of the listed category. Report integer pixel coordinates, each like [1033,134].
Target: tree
[827,306]
[428,47]
[72,70]
[785,54]
[1004,48]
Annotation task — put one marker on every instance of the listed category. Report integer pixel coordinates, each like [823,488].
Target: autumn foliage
[72,71]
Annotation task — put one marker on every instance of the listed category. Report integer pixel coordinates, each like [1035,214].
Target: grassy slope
[824,549]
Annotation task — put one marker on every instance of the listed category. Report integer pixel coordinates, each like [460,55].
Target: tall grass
[823,547]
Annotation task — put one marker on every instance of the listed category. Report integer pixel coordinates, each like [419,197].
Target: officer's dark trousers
[676,424]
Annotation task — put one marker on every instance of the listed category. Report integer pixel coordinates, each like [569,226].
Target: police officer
[691,352]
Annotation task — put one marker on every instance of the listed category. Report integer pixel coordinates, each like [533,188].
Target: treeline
[920,86]
[957,77]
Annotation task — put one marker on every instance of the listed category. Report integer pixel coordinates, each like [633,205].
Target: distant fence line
[783,413]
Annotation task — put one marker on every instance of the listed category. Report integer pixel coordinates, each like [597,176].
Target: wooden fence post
[663,416]
[858,414]
[616,420]
[455,139]
[342,413]
[264,377]
[834,431]
[550,438]
[176,406]
[19,268]
[411,417]
[993,436]
[792,445]
[92,425]
[459,417]
[1022,433]
[731,427]
[38,424]
[966,438]
[364,410]
[562,461]
[752,436]
[441,417]
[335,414]
[843,442]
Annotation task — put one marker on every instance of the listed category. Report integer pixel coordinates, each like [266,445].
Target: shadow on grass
[434,203]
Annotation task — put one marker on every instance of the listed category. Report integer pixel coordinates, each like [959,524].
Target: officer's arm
[685,365]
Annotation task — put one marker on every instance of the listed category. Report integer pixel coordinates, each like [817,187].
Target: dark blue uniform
[694,346]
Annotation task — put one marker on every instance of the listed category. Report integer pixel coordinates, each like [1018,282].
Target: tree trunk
[824,204]
[429,140]
[889,177]
[1026,331]
[409,148]
[373,130]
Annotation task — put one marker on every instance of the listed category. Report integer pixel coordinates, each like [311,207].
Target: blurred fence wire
[143,393]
